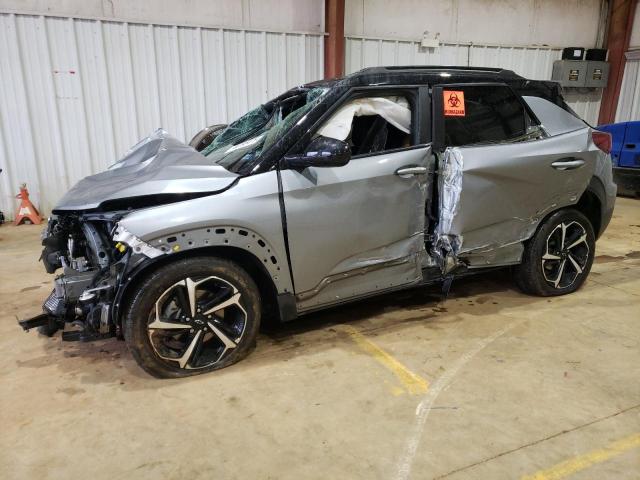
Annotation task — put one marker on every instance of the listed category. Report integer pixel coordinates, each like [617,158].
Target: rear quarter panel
[508,189]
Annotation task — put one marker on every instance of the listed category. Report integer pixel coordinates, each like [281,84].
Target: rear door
[630,148]
[507,175]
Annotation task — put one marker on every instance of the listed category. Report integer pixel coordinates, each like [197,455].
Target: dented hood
[158,165]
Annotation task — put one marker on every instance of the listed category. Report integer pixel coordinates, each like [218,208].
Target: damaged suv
[386,179]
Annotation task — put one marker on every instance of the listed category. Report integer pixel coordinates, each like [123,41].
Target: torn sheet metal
[158,165]
[122,235]
[448,242]
[493,196]
[456,239]
[394,110]
[362,199]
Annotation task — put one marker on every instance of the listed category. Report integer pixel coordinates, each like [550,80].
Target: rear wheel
[192,316]
[558,258]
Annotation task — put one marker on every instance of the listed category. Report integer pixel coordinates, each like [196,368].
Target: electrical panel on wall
[570,73]
[597,74]
[573,71]
[580,73]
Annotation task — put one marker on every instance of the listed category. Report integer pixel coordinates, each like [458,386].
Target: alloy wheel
[196,323]
[566,254]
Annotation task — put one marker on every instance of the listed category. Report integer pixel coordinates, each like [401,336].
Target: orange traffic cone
[26,210]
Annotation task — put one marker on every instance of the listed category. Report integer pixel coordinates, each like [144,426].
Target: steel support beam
[334,41]
[621,13]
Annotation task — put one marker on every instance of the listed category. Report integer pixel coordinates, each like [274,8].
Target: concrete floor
[490,384]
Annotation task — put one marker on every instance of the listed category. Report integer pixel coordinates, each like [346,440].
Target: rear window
[490,114]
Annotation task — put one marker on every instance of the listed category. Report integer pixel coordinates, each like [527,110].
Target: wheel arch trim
[238,244]
[595,213]
[594,188]
[239,237]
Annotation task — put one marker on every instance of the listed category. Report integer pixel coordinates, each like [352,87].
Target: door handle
[406,171]
[569,163]
[630,146]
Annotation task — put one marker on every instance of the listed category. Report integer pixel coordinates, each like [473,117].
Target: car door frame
[437,121]
[421,137]
[499,249]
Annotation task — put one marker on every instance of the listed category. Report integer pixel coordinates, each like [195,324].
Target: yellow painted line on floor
[412,382]
[581,462]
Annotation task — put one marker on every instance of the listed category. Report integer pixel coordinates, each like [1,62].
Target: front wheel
[558,258]
[192,316]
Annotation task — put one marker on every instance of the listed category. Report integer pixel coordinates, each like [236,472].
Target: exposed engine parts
[96,259]
[92,265]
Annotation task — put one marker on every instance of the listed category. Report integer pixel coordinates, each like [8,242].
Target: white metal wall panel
[120,78]
[629,100]
[97,95]
[145,75]
[76,94]
[585,103]
[15,118]
[531,62]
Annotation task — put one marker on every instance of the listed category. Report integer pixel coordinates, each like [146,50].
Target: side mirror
[321,152]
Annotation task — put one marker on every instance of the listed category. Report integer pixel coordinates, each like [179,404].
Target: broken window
[239,146]
[250,122]
[372,124]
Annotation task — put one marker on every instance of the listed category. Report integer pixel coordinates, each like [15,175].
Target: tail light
[602,140]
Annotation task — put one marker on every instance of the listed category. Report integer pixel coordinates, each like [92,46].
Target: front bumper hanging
[34,322]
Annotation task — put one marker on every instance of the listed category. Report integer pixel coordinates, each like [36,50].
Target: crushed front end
[94,254]
[93,263]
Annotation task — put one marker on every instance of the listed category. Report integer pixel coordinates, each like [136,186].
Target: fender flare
[206,241]
[602,216]
[596,187]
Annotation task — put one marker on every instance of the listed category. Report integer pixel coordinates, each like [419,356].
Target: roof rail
[427,68]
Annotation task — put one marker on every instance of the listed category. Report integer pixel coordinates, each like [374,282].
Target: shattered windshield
[239,146]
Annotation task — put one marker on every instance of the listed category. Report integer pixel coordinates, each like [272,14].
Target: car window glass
[239,146]
[371,124]
[483,114]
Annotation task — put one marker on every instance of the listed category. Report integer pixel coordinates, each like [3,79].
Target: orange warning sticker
[453,103]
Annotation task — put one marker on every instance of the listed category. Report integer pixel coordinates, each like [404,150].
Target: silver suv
[334,191]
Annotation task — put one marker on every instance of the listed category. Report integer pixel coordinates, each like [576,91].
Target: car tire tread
[528,274]
[136,315]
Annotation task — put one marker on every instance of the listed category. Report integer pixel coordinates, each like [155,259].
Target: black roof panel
[443,74]
[419,74]
[439,68]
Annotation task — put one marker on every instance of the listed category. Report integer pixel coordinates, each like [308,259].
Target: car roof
[436,69]
[444,74]
[421,74]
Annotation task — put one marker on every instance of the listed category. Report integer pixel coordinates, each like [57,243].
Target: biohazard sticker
[453,103]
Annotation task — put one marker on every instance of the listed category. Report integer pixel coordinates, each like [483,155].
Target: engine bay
[92,265]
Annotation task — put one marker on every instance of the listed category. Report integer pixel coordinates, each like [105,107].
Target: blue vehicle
[625,155]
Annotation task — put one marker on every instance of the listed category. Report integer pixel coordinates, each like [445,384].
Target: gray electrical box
[597,74]
[570,73]
[581,73]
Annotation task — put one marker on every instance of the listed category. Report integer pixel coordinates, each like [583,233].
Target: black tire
[549,269]
[212,282]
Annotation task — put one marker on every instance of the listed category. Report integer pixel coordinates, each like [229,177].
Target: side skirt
[430,276]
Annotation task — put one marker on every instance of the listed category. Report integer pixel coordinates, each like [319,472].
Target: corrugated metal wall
[530,62]
[629,100]
[76,94]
